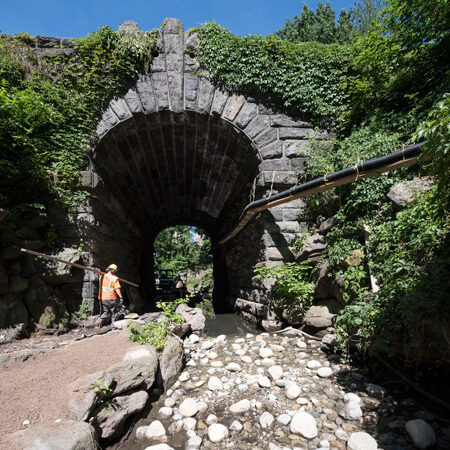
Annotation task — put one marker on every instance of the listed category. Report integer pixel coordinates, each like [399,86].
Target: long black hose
[408,155]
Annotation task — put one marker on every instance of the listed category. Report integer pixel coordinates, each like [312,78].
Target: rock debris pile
[276,392]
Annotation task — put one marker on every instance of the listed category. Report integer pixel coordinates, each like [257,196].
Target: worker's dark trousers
[109,313]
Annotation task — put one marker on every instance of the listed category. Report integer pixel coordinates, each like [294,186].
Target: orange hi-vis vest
[108,285]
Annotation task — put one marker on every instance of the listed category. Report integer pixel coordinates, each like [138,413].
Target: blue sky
[77,18]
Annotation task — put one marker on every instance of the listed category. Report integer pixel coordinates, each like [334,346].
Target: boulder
[129,26]
[321,314]
[271,325]
[46,308]
[85,392]
[402,194]
[323,284]
[53,272]
[132,374]
[171,361]
[139,351]
[110,416]
[339,289]
[421,433]
[193,316]
[326,225]
[12,311]
[312,248]
[66,435]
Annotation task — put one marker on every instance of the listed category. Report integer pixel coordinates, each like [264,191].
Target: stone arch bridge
[177,149]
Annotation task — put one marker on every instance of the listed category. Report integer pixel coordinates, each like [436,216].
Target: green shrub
[291,292]
[155,333]
[84,310]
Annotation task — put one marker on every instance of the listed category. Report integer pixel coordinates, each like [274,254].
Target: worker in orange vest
[109,295]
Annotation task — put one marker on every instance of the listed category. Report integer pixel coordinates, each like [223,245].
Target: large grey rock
[326,225]
[84,394]
[46,308]
[110,416]
[193,316]
[323,284]
[339,289]
[171,361]
[132,374]
[67,435]
[421,433]
[312,248]
[361,441]
[402,194]
[12,311]
[53,272]
[271,325]
[135,373]
[321,314]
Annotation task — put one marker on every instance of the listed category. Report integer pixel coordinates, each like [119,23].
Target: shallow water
[228,324]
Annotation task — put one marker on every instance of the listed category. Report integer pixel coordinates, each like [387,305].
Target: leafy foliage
[176,249]
[156,333]
[49,106]
[306,77]
[436,131]
[319,26]
[410,261]
[291,291]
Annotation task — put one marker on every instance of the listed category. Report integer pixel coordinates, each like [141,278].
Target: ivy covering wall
[49,107]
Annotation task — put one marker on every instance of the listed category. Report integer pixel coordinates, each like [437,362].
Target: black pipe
[364,166]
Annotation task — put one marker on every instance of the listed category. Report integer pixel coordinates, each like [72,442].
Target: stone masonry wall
[176,149]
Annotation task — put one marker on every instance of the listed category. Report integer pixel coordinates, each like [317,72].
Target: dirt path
[37,389]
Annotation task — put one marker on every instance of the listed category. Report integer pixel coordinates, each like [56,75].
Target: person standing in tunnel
[110,296]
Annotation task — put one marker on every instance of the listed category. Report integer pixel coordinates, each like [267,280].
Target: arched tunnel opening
[166,169]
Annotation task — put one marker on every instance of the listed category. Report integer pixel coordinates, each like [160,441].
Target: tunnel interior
[167,169]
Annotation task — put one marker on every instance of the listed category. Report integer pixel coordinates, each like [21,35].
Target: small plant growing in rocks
[155,333]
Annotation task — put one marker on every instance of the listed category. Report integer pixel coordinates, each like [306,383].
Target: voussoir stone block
[144,88]
[234,104]
[266,137]
[246,113]
[257,125]
[205,96]
[161,90]
[133,101]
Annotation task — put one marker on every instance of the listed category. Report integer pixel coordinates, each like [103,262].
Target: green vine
[306,78]
[49,107]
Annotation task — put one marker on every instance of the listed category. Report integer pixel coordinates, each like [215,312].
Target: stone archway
[176,149]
